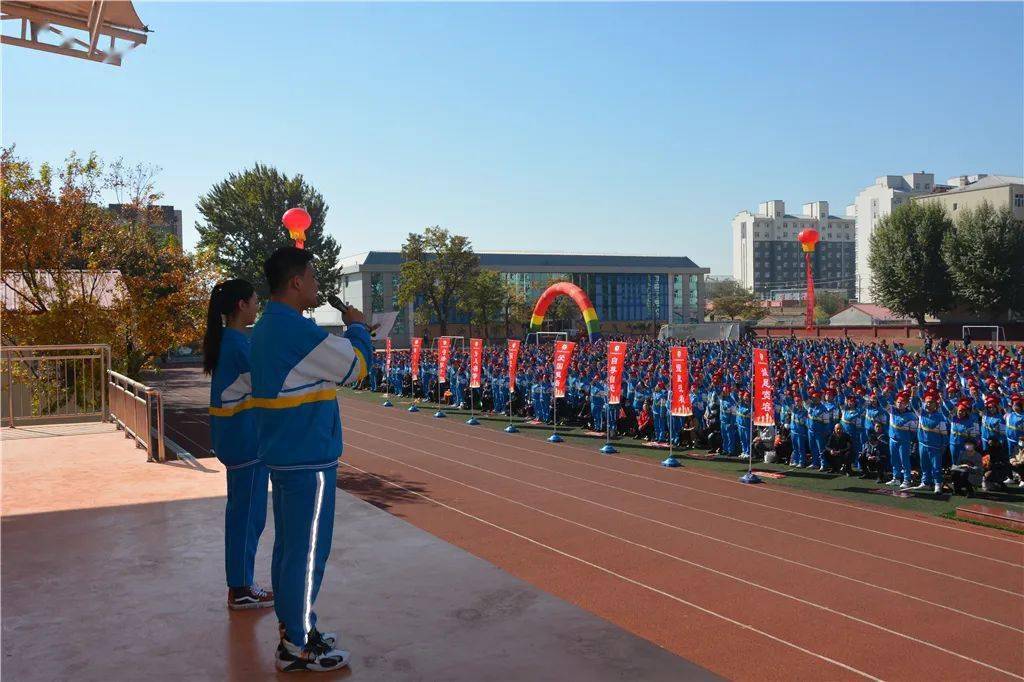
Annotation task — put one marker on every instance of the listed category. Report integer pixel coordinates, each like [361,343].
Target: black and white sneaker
[329,637]
[317,656]
[252,597]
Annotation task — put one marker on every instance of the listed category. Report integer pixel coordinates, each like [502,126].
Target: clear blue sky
[619,128]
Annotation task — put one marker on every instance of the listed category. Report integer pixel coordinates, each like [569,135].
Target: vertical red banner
[563,356]
[616,359]
[444,353]
[679,357]
[809,315]
[417,350]
[764,407]
[513,362]
[476,362]
[387,356]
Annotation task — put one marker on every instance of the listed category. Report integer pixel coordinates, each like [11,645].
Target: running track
[751,582]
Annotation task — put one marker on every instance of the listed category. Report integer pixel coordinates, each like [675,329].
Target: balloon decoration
[577,295]
[297,221]
[808,239]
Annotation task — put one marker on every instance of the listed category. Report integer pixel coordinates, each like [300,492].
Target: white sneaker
[920,486]
[821,468]
[317,656]
[894,481]
[906,485]
[938,488]
[984,486]
[744,455]
[1009,481]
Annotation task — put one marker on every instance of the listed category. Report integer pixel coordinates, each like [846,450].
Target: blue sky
[614,128]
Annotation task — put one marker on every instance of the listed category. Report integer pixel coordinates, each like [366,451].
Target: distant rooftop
[519,259]
[986,182]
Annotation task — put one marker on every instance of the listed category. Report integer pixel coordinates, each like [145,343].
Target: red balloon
[808,236]
[296,219]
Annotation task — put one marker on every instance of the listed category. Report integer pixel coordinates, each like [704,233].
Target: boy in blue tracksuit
[902,433]
[296,368]
[233,433]
[932,436]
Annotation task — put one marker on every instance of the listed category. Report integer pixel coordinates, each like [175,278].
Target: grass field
[850,488]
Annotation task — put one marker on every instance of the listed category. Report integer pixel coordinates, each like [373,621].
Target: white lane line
[650,588]
[759,526]
[943,548]
[694,564]
[681,529]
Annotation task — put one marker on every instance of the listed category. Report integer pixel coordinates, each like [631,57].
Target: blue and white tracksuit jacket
[233,433]
[296,368]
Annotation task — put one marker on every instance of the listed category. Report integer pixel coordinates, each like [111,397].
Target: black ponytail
[224,300]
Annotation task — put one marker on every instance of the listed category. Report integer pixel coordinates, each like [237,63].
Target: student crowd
[878,409]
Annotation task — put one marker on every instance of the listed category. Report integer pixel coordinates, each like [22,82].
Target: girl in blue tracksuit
[233,307]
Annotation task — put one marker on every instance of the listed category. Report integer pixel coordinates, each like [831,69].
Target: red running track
[751,582]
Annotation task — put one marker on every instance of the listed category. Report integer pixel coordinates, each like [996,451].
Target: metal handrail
[127,395]
[33,358]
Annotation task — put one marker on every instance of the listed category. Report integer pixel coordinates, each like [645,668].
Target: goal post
[993,333]
[554,335]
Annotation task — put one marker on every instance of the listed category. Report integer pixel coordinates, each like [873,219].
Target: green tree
[437,266]
[985,255]
[733,302]
[909,275]
[243,225]
[483,299]
[829,302]
[514,309]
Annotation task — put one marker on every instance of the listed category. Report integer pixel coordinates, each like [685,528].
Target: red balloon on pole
[297,221]
[808,239]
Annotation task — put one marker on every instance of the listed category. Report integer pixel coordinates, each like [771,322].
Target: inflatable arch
[577,295]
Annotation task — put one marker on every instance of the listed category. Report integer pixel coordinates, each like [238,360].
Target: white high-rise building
[875,201]
[767,258]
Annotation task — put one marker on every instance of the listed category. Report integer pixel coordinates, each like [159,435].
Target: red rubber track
[751,582]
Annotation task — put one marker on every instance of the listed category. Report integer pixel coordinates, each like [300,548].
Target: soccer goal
[537,336]
[992,333]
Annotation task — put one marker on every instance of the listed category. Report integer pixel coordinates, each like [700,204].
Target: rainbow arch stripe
[578,296]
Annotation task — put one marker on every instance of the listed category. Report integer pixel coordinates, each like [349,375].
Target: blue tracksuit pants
[799,447]
[245,515]
[818,443]
[303,530]
[729,439]
[899,457]
[931,464]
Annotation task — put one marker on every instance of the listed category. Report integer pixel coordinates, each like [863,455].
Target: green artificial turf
[849,488]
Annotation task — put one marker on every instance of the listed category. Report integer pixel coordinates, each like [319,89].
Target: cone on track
[413,408]
[440,414]
[608,449]
[511,429]
[555,438]
[472,421]
[671,461]
[750,477]
[386,403]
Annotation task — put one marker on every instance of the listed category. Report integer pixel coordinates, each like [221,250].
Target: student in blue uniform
[233,307]
[296,368]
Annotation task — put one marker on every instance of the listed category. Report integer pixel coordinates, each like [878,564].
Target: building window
[693,292]
[954,205]
[376,292]
[1018,200]
[927,185]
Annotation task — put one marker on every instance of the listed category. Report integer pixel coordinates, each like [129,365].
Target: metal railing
[138,410]
[54,383]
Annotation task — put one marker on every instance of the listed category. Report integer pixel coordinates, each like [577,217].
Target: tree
[732,302]
[437,267]
[829,302]
[82,274]
[514,309]
[243,226]
[483,299]
[909,275]
[985,255]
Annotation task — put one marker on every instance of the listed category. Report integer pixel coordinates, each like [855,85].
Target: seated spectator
[874,456]
[998,467]
[783,445]
[1017,463]
[968,473]
[712,435]
[645,424]
[839,451]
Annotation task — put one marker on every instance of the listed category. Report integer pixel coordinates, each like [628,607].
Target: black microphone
[338,304]
[343,307]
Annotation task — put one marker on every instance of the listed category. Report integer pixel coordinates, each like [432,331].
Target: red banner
[476,362]
[616,359]
[764,408]
[563,356]
[387,356]
[417,349]
[680,371]
[444,352]
[513,363]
